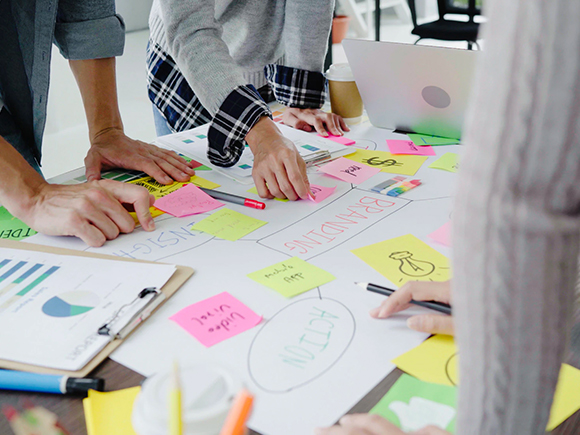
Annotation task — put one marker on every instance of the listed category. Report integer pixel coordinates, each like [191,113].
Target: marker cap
[82,386]
[254,204]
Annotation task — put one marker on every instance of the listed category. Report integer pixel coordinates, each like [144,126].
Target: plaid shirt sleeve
[239,112]
[295,87]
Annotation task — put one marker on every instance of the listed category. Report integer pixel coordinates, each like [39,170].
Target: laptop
[413,88]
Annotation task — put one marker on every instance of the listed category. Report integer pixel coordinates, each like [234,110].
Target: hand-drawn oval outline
[320,373]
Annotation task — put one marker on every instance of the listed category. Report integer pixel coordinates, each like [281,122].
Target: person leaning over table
[90,35]
[516,229]
[214,60]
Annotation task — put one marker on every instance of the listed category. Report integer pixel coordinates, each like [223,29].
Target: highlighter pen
[235,199]
[235,423]
[175,407]
[437,306]
[36,382]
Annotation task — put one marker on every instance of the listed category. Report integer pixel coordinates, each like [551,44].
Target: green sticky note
[292,277]
[255,192]
[447,162]
[412,404]
[12,228]
[425,139]
[228,224]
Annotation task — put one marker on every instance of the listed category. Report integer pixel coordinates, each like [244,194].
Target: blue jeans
[161,125]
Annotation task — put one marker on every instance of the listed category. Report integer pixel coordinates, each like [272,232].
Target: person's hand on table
[111,148]
[314,120]
[372,424]
[419,291]
[279,170]
[93,211]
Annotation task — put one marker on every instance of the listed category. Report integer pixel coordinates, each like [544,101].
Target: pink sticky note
[186,201]
[216,319]
[320,193]
[349,170]
[408,147]
[339,139]
[442,235]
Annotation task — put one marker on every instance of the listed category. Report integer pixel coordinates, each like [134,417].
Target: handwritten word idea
[292,277]
[216,319]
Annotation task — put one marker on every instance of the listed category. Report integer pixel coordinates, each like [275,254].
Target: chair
[449,30]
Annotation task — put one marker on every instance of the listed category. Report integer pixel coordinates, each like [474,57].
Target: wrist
[104,131]
[262,133]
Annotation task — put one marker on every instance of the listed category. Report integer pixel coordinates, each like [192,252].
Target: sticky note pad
[408,147]
[228,224]
[339,139]
[447,162]
[216,319]
[292,277]
[412,404]
[349,171]
[12,228]
[387,162]
[320,192]
[186,201]
[110,413]
[425,139]
[442,235]
[436,360]
[405,258]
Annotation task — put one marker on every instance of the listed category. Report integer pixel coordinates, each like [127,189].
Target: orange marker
[235,423]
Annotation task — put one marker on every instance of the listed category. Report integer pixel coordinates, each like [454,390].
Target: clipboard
[182,274]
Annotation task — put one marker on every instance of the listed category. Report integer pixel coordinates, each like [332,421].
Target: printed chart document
[51,306]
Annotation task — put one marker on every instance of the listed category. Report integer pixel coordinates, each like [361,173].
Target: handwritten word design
[216,319]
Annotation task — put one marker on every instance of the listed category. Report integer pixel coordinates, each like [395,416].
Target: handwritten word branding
[216,319]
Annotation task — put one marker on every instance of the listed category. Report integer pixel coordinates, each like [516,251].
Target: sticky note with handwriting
[186,201]
[159,190]
[228,224]
[447,162]
[292,277]
[339,139]
[216,319]
[349,171]
[387,162]
[408,147]
[320,193]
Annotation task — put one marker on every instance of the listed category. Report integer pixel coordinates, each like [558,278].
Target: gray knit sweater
[517,219]
[222,44]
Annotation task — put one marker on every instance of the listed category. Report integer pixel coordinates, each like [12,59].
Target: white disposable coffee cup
[207,394]
[345,98]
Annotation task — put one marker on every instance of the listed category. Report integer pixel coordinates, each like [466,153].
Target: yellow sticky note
[159,190]
[447,162]
[228,224]
[292,277]
[110,413]
[391,163]
[405,258]
[154,213]
[255,192]
[436,360]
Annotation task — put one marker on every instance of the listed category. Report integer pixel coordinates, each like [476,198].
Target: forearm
[516,223]
[97,83]
[19,182]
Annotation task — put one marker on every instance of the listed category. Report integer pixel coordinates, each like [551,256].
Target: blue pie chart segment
[70,304]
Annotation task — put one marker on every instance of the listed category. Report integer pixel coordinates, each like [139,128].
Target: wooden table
[70,409]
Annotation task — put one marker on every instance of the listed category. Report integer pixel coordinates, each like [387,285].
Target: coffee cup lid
[340,72]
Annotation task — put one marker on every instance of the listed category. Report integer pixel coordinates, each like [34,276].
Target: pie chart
[70,304]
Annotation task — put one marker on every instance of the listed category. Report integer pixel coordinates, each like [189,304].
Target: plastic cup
[207,395]
[345,99]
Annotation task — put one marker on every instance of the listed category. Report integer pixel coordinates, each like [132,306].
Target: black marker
[437,306]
